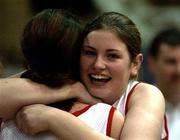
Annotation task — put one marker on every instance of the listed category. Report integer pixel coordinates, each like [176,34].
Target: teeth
[99,76]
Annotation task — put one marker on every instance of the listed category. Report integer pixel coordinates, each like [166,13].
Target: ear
[136,64]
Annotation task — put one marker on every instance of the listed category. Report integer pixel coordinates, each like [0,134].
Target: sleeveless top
[98,116]
[122,106]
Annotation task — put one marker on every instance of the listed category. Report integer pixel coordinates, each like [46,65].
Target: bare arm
[18,92]
[144,119]
[73,128]
[37,118]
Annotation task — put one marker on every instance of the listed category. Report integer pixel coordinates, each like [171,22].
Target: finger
[18,120]
[24,129]
[21,123]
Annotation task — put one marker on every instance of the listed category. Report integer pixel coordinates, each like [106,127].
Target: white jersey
[122,106]
[173,113]
[98,116]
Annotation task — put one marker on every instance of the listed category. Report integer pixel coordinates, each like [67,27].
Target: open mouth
[99,79]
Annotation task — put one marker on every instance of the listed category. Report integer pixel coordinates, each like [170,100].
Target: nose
[99,63]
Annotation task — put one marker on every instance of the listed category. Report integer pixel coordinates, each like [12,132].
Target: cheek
[161,68]
[163,73]
[120,70]
[84,65]
[166,70]
[121,76]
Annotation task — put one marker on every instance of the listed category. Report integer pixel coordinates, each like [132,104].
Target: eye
[88,52]
[113,56]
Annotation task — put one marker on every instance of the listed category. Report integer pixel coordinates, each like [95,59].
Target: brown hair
[47,44]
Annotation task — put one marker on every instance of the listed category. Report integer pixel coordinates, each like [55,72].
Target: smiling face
[105,65]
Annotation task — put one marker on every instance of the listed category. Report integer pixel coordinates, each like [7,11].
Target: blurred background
[150,16]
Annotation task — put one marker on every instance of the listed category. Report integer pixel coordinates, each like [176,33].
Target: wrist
[65,92]
[51,118]
[75,90]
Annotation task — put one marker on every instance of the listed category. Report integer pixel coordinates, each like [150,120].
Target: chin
[96,93]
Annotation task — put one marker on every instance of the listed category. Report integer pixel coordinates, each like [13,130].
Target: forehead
[102,33]
[168,50]
[105,38]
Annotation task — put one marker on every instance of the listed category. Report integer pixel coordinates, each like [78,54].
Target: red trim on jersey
[109,123]
[128,97]
[166,128]
[79,112]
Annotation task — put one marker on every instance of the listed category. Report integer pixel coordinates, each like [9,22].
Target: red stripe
[166,128]
[79,112]
[109,124]
[128,97]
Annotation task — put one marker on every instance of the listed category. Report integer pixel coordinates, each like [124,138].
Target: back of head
[47,44]
[170,36]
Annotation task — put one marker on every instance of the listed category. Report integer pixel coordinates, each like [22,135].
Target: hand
[33,119]
[82,94]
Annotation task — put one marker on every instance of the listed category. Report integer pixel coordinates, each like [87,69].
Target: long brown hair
[47,44]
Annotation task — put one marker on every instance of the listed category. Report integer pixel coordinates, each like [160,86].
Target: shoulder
[146,104]
[144,90]
[147,93]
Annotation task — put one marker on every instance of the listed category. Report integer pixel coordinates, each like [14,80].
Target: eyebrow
[113,50]
[109,50]
[90,47]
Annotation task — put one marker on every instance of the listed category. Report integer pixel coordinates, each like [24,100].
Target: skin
[166,70]
[106,57]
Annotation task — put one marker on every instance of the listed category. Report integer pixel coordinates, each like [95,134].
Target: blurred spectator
[164,63]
